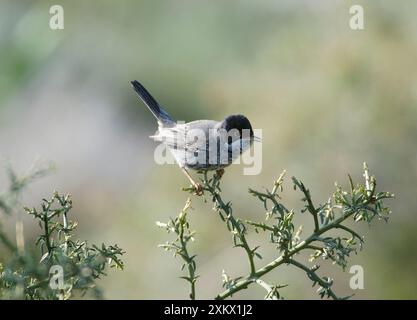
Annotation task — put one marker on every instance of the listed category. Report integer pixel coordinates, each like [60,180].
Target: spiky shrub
[59,266]
[361,202]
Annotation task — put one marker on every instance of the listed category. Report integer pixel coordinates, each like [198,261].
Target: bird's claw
[220,173]
[198,189]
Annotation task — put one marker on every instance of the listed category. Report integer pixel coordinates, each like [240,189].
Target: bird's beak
[257,139]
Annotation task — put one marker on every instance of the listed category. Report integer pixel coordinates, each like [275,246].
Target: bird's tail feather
[160,114]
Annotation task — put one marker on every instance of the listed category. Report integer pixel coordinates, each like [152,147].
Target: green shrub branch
[361,202]
[27,275]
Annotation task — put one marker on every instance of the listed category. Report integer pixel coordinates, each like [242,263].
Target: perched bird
[202,144]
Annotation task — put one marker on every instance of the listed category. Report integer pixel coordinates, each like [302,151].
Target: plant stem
[310,205]
[353,233]
[189,261]
[314,277]
[235,224]
[284,258]
[267,287]
[46,226]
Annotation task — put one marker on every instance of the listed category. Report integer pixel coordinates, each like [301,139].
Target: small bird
[202,144]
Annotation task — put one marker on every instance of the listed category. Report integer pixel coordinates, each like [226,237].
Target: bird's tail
[160,114]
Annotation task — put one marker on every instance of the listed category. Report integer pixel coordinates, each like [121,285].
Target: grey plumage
[200,144]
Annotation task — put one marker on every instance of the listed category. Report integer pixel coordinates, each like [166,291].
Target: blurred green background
[326,97]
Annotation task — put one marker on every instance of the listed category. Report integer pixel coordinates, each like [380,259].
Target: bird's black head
[238,122]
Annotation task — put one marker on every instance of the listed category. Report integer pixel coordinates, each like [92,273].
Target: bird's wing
[176,138]
[190,137]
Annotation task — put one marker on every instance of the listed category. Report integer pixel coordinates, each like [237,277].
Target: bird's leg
[198,188]
[220,173]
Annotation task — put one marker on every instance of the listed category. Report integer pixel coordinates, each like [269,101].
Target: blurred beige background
[326,97]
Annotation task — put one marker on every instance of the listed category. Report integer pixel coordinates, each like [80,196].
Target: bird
[200,145]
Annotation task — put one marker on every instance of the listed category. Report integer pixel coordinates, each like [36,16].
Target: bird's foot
[198,189]
[219,173]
